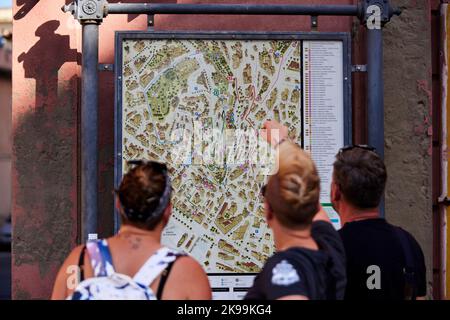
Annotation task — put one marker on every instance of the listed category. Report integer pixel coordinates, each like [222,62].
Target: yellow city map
[172,87]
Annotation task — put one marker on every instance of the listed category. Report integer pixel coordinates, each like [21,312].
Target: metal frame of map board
[229,35]
[90,21]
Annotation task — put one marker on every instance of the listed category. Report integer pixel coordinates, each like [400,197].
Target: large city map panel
[169,85]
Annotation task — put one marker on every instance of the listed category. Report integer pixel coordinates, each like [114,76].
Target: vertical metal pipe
[89,130]
[375,93]
[375,102]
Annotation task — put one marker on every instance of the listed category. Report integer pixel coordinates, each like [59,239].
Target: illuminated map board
[171,84]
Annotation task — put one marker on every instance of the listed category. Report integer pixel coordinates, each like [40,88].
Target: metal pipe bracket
[88,11]
[385,12]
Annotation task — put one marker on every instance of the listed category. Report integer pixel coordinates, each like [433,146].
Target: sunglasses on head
[358,146]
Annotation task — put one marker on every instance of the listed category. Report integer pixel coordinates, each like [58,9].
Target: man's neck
[351,214]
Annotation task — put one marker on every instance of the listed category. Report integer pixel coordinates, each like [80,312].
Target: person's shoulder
[281,277]
[329,239]
[74,256]
[291,259]
[60,290]
[407,233]
[294,256]
[275,259]
[361,227]
[324,230]
[189,279]
[348,231]
[279,256]
[185,264]
[323,226]
[410,238]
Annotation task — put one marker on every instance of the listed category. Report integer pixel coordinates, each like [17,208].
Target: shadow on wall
[25,7]
[45,162]
[43,61]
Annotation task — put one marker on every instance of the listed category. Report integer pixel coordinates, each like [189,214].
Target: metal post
[375,95]
[89,130]
[374,15]
[90,14]
[375,90]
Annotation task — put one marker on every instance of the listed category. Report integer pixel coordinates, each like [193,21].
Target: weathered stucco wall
[408,127]
[46,70]
[45,97]
[46,82]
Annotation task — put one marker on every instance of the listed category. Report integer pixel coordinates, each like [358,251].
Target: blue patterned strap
[156,264]
[100,257]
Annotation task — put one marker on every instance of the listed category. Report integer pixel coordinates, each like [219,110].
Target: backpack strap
[156,264]
[81,263]
[163,280]
[100,256]
[410,265]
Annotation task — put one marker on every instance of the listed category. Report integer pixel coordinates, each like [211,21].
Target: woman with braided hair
[309,263]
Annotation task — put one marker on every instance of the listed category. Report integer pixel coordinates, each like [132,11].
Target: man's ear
[336,194]
[268,212]
[118,205]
